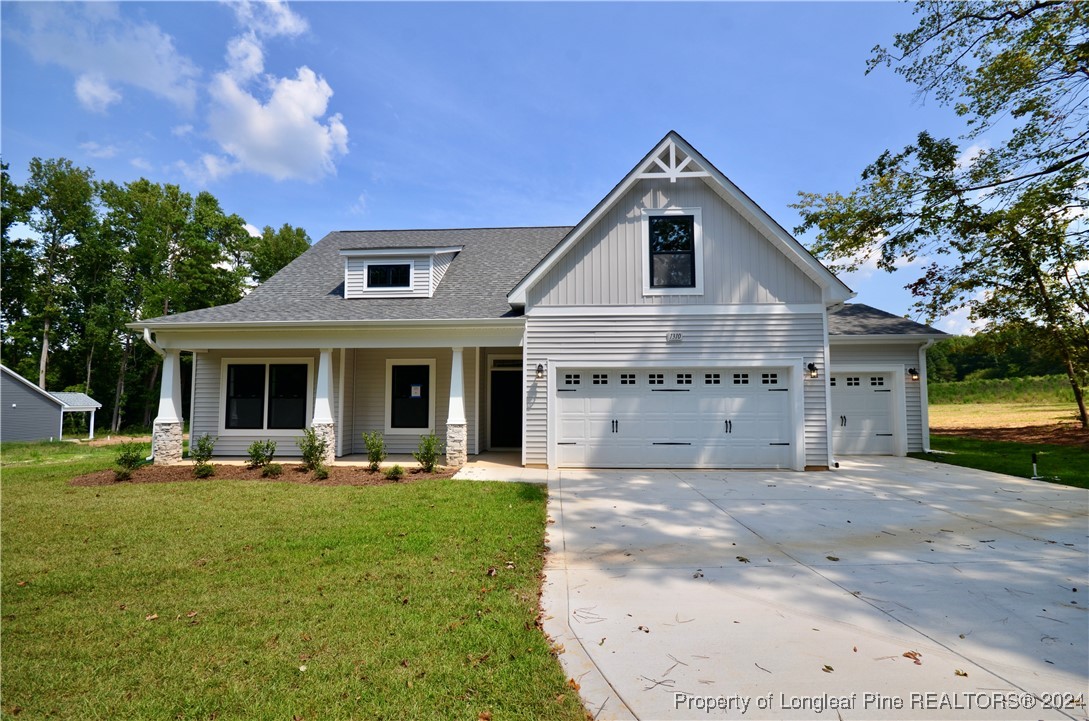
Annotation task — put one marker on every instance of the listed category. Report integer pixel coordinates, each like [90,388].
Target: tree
[274,249]
[999,225]
[16,275]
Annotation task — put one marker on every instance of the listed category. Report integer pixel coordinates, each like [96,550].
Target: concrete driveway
[890,588]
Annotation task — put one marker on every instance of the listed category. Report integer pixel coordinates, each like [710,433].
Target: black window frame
[388,269]
[274,398]
[653,224]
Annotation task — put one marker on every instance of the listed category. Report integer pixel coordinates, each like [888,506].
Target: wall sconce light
[812,367]
[540,371]
[914,373]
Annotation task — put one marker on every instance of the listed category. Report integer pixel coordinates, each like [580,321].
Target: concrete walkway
[891,588]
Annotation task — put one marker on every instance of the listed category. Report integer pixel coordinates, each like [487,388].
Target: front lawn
[256,599]
[1069,463]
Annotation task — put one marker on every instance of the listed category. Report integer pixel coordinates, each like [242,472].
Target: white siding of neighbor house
[613,341]
[906,354]
[208,403]
[740,265]
[354,280]
[368,399]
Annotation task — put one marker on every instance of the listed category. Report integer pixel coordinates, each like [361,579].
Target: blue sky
[350,115]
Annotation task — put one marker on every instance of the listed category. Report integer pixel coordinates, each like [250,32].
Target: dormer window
[389,275]
[672,251]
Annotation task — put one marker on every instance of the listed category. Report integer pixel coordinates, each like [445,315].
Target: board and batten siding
[208,402]
[906,354]
[27,414]
[606,267]
[368,400]
[709,340]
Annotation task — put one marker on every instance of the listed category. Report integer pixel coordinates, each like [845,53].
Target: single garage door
[862,414]
[674,418]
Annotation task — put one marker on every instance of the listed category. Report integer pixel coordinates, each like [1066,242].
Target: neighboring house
[32,414]
[676,325]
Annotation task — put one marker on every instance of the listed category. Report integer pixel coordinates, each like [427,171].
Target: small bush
[261,453]
[428,452]
[272,470]
[122,474]
[201,451]
[376,449]
[129,456]
[394,472]
[313,449]
[203,470]
[321,473]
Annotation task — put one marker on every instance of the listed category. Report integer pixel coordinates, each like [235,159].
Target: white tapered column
[456,424]
[166,435]
[323,423]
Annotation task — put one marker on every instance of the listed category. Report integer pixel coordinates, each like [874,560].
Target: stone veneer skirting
[456,444]
[166,442]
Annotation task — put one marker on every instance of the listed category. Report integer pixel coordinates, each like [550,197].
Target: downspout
[162,354]
[924,400]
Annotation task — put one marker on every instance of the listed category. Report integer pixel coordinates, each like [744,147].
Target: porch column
[166,435]
[91,426]
[456,424]
[323,423]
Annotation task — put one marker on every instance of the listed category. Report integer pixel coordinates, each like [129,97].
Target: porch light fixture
[540,371]
[914,373]
[812,367]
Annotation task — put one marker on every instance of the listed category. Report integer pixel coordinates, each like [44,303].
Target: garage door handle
[883,434]
[843,421]
[729,426]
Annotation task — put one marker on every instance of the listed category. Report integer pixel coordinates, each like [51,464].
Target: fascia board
[405,252]
[884,338]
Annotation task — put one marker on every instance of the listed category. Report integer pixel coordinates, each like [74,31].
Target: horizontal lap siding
[28,415]
[905,354]
[708,340]
[369,395]
[208,403]
[740,264]
[354,281]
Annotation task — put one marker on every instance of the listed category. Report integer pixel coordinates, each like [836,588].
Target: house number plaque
[674,337]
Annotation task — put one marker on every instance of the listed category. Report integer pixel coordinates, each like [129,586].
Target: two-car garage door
[675,418]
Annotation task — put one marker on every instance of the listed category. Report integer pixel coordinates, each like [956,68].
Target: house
[30,413]
[676,325]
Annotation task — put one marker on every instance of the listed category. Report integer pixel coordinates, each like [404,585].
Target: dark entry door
[410,403]
[505,407]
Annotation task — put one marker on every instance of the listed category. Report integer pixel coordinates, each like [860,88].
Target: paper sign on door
[417,391]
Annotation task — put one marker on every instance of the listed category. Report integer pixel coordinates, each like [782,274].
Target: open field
[1036,390]
[1001,415]
[256,599]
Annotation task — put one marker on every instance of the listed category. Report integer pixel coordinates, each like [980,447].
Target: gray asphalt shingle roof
[861,319]
[311,288]
[75,400]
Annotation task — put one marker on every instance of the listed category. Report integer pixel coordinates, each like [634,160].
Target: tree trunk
[151,394]
[115,422]
[1078,395]
[87,381]
[43,363]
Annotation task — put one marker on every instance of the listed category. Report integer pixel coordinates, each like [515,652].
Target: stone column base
[166,442]
[328,433]
[457,445]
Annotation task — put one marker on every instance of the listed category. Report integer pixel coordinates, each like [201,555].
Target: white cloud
[245,57]
[180,131]
[269,19]
[969,154]
[359,207]
[107,52]
[98,151]
[95,94]
[141,164]
[285,137]
[958,323]
[252,230]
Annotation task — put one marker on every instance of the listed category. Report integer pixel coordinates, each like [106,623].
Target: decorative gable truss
[395,272]
[672,162]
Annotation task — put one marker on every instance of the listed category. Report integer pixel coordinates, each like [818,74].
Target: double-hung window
[272,395]
[672,252]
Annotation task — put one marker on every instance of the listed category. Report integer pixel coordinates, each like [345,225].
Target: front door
[505,408]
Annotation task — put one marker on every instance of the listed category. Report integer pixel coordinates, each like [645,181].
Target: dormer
[395,272]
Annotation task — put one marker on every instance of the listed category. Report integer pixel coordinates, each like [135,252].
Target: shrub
[122,474]
[203,470]
[376,449]
[261,453]
[201,451]
[321,473]
[313,449]
[272,470]
[428,452]
[394,472]
[129,458]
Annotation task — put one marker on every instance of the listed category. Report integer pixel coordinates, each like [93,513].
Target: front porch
[469,397]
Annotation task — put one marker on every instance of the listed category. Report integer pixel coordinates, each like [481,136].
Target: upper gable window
[672,252]
[389,275]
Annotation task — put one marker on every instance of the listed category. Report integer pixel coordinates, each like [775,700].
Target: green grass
[381,594]
[1041,389]
[1069,463]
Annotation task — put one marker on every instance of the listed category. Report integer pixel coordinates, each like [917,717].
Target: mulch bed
[1060,434]
[338,475]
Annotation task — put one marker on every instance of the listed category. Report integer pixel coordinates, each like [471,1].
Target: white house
[676,325]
